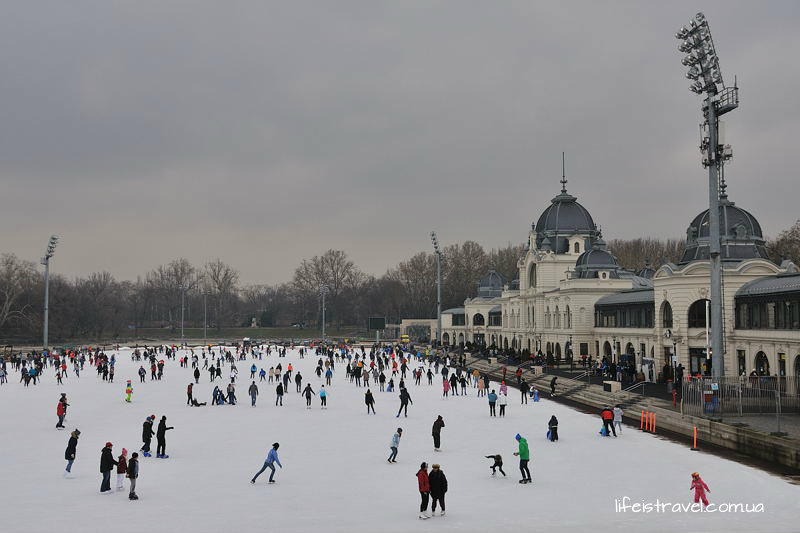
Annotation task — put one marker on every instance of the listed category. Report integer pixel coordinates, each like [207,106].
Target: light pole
[438,252]
[322,290]
[51,248]
[705,72]
[182,293]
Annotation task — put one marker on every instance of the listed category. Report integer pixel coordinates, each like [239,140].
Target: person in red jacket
[608,420]
[424,490]
[122,468]
[61,410]
[699,487]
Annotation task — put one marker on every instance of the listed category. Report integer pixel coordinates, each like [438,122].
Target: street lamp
[439,255]
[706,76]
[51,249]
[323,289]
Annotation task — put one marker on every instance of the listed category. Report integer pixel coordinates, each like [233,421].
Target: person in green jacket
[524,456]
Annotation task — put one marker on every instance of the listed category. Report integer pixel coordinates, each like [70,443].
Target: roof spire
[563,176]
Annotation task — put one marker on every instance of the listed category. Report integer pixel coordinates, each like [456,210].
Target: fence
[766,395]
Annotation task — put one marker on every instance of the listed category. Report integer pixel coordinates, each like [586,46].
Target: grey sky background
[266,132]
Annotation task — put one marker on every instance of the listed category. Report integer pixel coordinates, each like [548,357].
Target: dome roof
[563,218]
[491,285]
[592,261]
[740,235]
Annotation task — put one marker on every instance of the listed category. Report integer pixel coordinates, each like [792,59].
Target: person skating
[128,391]
[122,468]
[161,438]
[107,464]
[323,397]
[503,402]
[438,424]
[370,401]
[699,487]
[189,389]
[196,375]
[607,415]
[279,394]
[424,491]
[552,429]
[618,418]
[438,485]
[492,397]
[147,434]
[498,464]
[394,445]
[308,392]
[524,456]
[253,392]
[272,457]
[553,386]
[133,475]
[405,398]
[61,410]
[69,453]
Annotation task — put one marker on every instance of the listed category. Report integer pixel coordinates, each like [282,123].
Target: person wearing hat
[122,469]
[61,410]
[107,464]
[524,455]
[147,434]
[69,453]
[133,475]
[128,391]
[438,486]
[699,487]
[272,457]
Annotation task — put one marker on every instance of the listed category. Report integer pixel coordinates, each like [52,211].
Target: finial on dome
[563,175]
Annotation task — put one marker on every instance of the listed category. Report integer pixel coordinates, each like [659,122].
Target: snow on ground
[335,476]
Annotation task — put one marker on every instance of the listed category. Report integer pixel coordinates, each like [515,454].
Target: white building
[572,298]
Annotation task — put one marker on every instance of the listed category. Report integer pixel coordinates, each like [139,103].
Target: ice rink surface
[336,477]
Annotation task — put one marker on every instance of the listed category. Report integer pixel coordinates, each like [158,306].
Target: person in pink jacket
[445,387]
[503,388]
[699,486]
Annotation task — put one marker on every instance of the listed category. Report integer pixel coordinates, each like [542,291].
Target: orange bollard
[654,422]
[694,446]
[641,421]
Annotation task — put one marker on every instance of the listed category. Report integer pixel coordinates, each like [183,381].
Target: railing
[575,383]
[754,395]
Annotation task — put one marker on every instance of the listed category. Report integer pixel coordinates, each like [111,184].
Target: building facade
[572,299]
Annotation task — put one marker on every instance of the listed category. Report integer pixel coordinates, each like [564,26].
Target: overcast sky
[263,133]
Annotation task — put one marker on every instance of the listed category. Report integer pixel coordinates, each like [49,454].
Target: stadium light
[51,249]
[706,74]
[438,252]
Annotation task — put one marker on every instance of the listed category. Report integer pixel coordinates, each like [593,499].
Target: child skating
[699,487]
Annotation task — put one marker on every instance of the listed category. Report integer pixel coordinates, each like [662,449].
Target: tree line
[100,306]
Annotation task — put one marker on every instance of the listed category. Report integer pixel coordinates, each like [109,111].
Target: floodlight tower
[438,252]
[707,80]
[51,249]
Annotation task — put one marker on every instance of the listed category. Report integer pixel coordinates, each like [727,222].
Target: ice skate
[423,516]
[441,514]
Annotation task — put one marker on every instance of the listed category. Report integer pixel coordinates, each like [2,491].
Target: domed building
[563,219]
[597,262]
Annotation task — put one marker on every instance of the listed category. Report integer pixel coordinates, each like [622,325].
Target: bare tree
[786,245]
[16,277]
[223,281]
[504,260]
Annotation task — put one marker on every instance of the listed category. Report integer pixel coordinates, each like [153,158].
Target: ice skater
[498,464]
[699,487]
[438,424]
[438,487]
[394,445]
[107,464]
[405,399]
[424,490]
[369,399]
[272,458]
[69,453]
[308,392]
[133,475]
[128,391]
[552,429]
[122,469]
[618,418]
[253,392]
[147,434]
[524,455]
[61,410]
[161,438]
[492,397]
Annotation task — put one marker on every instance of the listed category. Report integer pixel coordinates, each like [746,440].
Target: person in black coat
[405,398]
[437,433]
[438,485]
[370,401]
[147,434]
[133,475]
[69,453]
[552,427]
[279,394]
[161,437]
[107,464]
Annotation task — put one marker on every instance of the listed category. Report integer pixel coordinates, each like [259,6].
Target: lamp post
[51,248]
[322,290]
[706,76]
[183,291]
[438,252]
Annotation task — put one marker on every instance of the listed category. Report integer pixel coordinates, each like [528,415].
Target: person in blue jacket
[492,397]
[272,457]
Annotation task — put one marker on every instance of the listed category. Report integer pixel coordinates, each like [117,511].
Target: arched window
[762,364]
[697,314]
[446,339]
[478,320]
[532,276]
[557,319]
[666,315]
[568,319]
[577,248]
